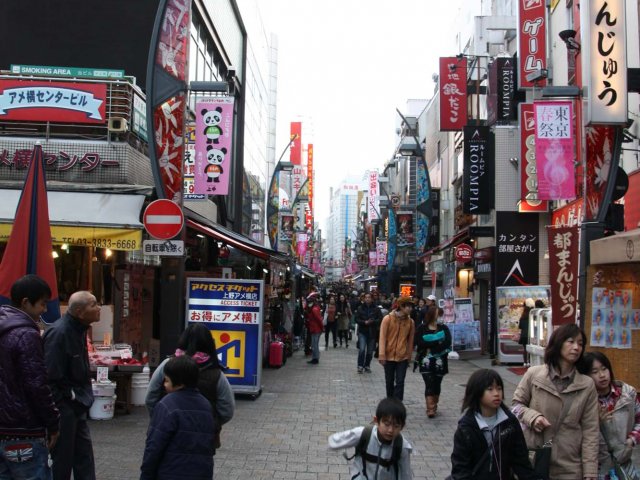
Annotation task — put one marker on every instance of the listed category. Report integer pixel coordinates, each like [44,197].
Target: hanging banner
[555,150]
[405,235]
[532,44]
[569,215]
[453,93]
[563,267]
[301,244]
[310,177]
[295,152]
[506,89]
[233,311]
[373,206]
[381,252]
[478,180]
[373,258]
[214,130]
[529,201]
[600,146]
[298,178]
[286,228]
[393,238]
[604,61]
[517,246]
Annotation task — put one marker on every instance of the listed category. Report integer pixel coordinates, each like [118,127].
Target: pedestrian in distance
[368,317]
[67,360]
[523,326]
[619,418]
[343,312]
[558,407]
[488,443]
[28,415]
[396,346]
[314,326]
[381,451]
[331,324]
[180,434]
[196,342]
[433,344]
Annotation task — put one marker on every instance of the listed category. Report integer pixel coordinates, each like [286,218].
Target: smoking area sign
[233,311]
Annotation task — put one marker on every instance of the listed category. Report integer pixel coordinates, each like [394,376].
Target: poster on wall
[465,330]
[613,318]
[233,311]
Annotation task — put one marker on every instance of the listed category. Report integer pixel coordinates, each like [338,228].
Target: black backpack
[361,451]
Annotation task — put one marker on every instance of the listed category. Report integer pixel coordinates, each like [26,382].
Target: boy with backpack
[381,451]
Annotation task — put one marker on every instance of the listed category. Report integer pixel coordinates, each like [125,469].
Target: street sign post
[163,219]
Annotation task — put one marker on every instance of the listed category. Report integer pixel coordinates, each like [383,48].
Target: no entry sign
[163,219]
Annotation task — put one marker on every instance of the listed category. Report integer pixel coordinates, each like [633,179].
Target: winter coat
[314,319]
[27,404]
[474,459]
[330,312]
[349,439]
[396,338]
[343,312]
[433,349]
[180,438]
[574,453]
[368,312]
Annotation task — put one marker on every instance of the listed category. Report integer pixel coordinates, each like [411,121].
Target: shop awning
[304,270]
[620,248]
[245,244]
[450,242]
[85,219]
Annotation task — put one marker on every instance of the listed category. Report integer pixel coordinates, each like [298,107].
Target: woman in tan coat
[556,403]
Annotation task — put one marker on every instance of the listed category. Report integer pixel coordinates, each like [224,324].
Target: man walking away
[367,318]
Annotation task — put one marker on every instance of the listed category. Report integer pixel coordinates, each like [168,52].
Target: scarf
[199,357]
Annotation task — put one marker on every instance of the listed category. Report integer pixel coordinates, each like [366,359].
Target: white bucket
[102,408]
[138,394]
[103,389]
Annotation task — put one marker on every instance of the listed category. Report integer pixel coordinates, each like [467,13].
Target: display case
[540,328]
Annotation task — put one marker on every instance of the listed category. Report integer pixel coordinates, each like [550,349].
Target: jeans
[315,346]
[394,374]
[73,450]
[333,328]
[366,345]
[24,459]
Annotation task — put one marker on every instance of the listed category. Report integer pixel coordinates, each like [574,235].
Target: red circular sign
[163,219]
[464,252]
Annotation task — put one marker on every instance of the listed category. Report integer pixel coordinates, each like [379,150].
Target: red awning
[227,238]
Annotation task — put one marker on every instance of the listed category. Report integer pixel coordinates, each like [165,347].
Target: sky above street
[343,68]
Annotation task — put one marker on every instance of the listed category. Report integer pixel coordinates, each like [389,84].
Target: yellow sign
[100,237]
[231,347]
[554,4]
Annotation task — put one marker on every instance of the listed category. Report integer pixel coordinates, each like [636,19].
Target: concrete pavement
[283,433]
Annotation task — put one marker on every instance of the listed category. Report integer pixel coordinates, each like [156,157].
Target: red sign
[295,153]
[563,265]
[42,101]
[529,201]
[569,215]
[532,45]
[453,93]
[163,219]
[464,253]
[310,175]
[600,145]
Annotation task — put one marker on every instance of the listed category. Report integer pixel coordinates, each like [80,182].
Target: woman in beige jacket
[556,403]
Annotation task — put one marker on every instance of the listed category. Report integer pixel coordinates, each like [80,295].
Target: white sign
[604,64]
[165,248]
[102,375]
[373,207]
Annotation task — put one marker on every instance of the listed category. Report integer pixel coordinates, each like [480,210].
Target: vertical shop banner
[478,180]
[310,176]
[555,150]
[506,86]
[373,206]
[529,199]
[302,241]
[532,44]
[214,133]
[373,258]
[190,164]
[563,266]
[453,93]
[393,238]
[381,252]
[600,150]
[295,152]
[604,61]
[405,236]
[569,215]
[298,178]
[286,228]
[233,311]
[517,249]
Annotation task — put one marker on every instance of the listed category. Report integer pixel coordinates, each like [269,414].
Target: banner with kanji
[453,93]
[563,267]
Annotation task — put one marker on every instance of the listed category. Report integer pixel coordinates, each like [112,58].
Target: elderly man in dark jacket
[368,318]
[28,415]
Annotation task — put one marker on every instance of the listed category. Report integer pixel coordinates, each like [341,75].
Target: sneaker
[360,369]
[367,369]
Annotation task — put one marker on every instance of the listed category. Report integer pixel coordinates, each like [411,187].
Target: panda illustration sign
[214,128]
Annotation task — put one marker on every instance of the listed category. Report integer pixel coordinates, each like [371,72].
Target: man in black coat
[368,317]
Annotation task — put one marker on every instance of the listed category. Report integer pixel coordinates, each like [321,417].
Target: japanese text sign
[453,93]
[604,64]
[532,45]
[478,180]
[529,201]
[295,153]
[517,245]
[310,175]
[373,258]
[374,196]
[214,133]
[563,265]
[554,145]
[53,101]
[506,86]
[381,251]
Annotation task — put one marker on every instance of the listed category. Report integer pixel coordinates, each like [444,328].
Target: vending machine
[540,328]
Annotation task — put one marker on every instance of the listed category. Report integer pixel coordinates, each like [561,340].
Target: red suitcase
[276,354]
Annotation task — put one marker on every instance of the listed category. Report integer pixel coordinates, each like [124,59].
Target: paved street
[283,433]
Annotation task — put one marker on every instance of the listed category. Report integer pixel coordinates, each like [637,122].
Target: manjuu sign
[479,175]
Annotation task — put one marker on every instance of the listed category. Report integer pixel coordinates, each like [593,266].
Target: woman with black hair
[196,341]
[558,406]
[523,325]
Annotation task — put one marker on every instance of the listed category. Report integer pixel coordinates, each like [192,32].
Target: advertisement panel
[405,236]
[517,246]
[478,180]
[465,330]
[563,265]
[529,199]
[600,146]
[506,89]
[532,44]
[310,176]
[374,197]
[381,252]
[233,311]
[190,164]
[295,152]
[453,93]
[555,150]
[214,134]
[42,101]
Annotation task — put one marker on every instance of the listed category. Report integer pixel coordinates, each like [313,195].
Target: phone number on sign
[102,243]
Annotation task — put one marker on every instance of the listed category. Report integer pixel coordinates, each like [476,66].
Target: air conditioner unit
[117,124]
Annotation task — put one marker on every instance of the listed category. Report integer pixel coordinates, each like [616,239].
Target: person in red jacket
[314,325]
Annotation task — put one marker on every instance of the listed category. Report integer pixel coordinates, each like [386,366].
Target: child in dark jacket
[489,443]
[180,435]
